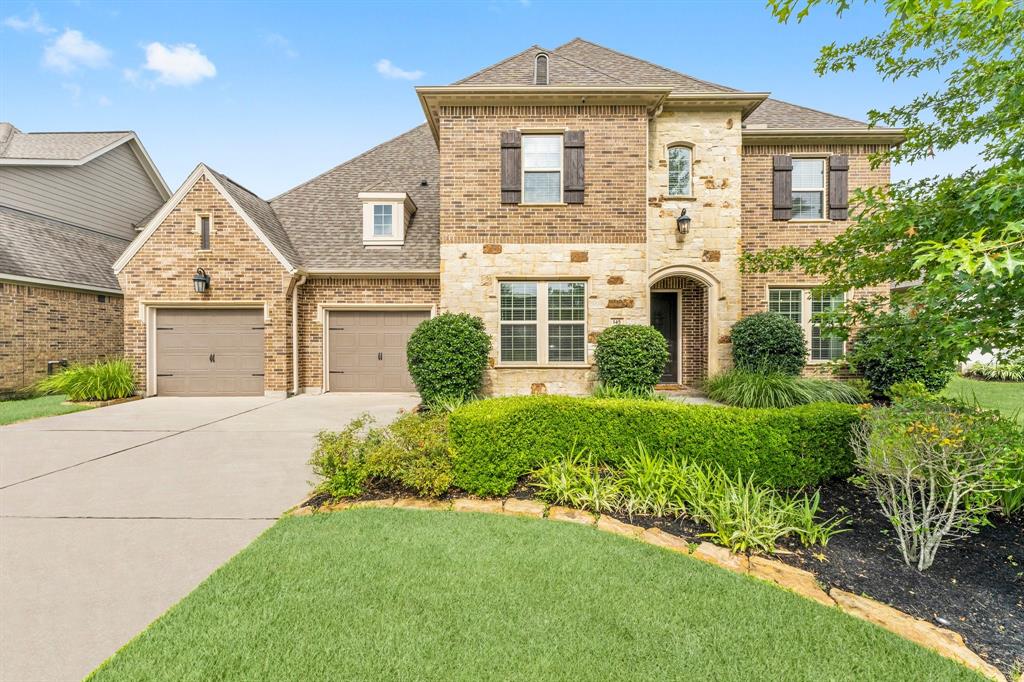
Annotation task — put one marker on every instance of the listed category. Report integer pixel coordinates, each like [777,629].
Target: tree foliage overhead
[959,237]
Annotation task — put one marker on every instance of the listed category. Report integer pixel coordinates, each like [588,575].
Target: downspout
[295,335]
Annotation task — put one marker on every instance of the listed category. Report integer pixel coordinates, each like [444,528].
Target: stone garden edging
[940,640]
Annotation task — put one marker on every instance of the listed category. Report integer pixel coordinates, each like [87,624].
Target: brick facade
[40,324]
[324,292]
[241,268]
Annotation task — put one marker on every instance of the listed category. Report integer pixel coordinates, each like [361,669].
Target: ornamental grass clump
[1000,371]
[937,470]
[107,380]
[747,388]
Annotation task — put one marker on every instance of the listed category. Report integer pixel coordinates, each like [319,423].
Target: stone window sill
[523,203]
[535,365]
[680,197]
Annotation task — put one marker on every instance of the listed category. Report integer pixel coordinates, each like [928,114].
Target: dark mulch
[975,587]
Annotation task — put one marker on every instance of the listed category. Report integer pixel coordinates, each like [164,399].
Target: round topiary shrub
[768,342]
[889,352]
[631,357]
[447,355]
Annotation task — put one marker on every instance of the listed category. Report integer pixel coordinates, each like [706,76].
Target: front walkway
[110,516]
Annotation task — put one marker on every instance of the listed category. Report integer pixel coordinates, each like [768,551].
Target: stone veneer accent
[710,252]
[39,324]
[340,291]
[240,266]
[470,158]
[760,232]
[469,284]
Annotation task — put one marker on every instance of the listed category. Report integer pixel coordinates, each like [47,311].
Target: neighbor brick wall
[240,266]
[328,291]
[760,232]
[470,158]
[38,324]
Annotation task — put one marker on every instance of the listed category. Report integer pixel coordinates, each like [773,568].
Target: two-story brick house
[553,194]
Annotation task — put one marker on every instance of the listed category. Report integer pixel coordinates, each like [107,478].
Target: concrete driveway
[110,516]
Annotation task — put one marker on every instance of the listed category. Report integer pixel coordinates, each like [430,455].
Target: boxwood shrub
[768,342]
[495,442]
[447,356]
[630,357]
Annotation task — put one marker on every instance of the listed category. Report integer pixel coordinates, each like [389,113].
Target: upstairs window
[803,306]
[540,71]
[542,169]
[808,189]
[386,217]
[383,215]
[680,162]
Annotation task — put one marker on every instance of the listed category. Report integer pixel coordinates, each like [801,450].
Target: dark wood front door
[665,318]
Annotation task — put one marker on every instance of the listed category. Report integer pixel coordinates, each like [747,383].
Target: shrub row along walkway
[940,640]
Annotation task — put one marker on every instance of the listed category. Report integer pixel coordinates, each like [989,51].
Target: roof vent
[423,183]
[540,71]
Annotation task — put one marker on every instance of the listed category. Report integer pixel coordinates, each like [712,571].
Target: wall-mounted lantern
[683,223]
[201,281]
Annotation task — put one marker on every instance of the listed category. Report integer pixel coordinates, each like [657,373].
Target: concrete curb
[923,633]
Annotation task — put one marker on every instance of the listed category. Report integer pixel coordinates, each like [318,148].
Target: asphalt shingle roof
[42,248]
[55,146]
[324,216]
[775,113]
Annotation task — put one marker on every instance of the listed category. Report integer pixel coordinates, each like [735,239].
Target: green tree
[960,237]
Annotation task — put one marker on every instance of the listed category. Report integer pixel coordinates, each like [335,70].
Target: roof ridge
[63,223]
[587,66]
[234,182]
[497,64]
[78,132]
[345,163]
[817,111]
[644,61]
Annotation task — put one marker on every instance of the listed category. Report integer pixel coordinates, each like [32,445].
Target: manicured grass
[388,594]
[47,406]
[1005,396]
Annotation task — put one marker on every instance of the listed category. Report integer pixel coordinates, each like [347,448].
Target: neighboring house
[544,194]
[69,204]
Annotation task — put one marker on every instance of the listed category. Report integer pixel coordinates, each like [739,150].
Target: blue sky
[275,93]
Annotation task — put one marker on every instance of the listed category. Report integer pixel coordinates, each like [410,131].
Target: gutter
[295,334]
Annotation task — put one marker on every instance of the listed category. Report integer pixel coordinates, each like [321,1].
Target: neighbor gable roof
[256,213]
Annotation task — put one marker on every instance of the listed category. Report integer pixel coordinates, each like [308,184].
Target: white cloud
[389,70]
[72,50]
[279,41]
[103,101]
[175,65]
[34,23]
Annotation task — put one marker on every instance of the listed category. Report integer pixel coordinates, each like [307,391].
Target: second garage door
[367,349]
[209,352]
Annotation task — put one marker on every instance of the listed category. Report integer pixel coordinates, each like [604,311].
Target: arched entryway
[680,310]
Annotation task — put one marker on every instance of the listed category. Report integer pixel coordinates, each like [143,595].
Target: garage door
[209,352]
[367,349]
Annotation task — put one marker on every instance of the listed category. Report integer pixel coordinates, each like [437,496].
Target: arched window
[540,72]
[680,162]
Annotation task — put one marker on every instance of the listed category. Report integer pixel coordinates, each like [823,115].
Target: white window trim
[561,171]
[806,325]
[668,169]
[542,322]
[402,210]
[199,231]
[823,189]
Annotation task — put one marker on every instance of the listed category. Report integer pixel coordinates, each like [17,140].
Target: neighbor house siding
[240,266]
[108,194]
[40,324]
[329,292]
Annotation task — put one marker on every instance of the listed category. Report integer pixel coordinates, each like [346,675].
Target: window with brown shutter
[511,167]
[782,187]
[573,148]
[838,187]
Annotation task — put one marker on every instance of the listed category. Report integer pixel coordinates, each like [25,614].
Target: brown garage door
[209,352]
[367,349]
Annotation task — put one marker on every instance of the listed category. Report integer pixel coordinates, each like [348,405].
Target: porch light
[683,223]
[201,281]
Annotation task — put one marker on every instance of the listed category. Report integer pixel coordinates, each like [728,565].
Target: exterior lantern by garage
[683,223]
[201,281]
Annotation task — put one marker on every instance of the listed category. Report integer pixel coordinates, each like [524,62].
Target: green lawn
[47,406]
[388,594]
[1005,396]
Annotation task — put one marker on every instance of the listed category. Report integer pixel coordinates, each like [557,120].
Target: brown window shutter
[511,166]
[838,187]
[572,150]
[782,188]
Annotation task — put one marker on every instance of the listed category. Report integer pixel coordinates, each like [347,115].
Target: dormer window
[540,71]
[386,217]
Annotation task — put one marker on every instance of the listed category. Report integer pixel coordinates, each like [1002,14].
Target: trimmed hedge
[495,442]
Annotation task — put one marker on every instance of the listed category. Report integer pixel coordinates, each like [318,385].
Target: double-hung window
[542,169]
[543,315]
[803,307]
[808,189]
